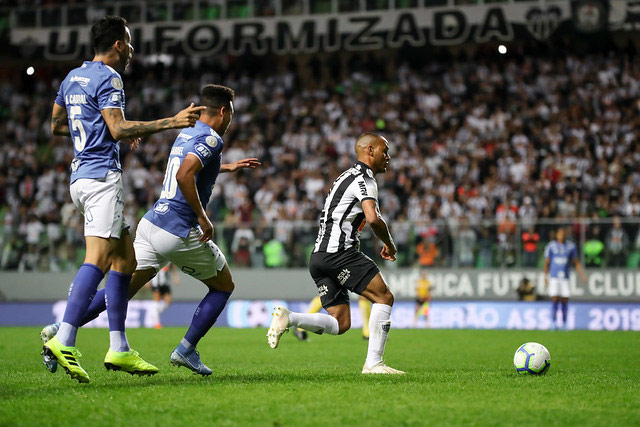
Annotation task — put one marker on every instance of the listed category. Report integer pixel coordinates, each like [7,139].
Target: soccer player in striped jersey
[336,264]
[89,108]
[559,256]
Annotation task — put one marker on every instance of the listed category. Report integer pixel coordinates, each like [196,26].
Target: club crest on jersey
[211,141]
[203,151]
[117,83]
[161,208]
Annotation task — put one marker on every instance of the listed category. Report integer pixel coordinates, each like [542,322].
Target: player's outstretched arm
[186,178]
[380,228]
[121,128]
[240,164]
[59,121]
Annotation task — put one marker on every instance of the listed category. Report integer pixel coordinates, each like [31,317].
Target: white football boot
[380,368]
[279,325]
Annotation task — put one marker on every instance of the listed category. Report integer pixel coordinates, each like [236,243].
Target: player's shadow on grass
[253,378]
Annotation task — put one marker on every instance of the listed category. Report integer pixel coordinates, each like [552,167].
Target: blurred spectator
[593,248]
[526,290]
[617,245]
[465,244]
[274,254]
[530,240]
[524,138]
[427,251]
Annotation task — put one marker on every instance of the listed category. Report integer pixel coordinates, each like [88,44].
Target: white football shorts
[102,204]
[155,247]
[559,288]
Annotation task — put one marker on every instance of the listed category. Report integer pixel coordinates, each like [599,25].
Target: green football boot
[67,357]
[128,361]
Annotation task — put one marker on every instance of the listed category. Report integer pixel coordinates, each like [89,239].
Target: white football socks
[315,322]
[67,334]
[118,341]
[379,325]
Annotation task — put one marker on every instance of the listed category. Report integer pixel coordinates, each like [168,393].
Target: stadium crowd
[484,153]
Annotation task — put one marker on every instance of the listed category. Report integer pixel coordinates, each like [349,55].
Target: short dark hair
[106,31]
[216,96]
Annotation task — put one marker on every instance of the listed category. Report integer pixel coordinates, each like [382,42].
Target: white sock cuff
[382,308]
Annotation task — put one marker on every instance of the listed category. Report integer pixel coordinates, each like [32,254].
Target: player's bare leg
[379,294]
[220,288]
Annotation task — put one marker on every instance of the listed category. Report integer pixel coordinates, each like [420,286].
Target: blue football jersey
[561,256]
[172,212]
[85,92]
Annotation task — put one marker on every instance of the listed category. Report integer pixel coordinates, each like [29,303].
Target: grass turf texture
[453,377]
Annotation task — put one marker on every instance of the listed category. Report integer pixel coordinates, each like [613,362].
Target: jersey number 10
[170,183]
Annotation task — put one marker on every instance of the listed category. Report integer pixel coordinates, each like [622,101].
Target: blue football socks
[81,293]
[554,312]
[117,299]
[206,315]
[97,306]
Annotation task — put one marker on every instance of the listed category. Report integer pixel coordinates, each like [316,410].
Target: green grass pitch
[453,377]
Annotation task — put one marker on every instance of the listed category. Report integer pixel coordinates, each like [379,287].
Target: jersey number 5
[78,141]
[170,184]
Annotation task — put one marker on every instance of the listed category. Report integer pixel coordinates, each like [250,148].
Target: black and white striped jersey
[342,217]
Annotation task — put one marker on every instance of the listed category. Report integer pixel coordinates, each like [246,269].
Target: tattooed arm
[59,121]
[121,128]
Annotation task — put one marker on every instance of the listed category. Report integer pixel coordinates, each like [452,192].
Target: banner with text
[442,315]
[371,30]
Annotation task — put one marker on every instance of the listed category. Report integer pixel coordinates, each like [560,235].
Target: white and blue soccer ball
[532,358]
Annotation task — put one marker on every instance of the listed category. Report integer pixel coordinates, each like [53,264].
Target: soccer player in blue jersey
[89,108]
[177,229]
[559,256]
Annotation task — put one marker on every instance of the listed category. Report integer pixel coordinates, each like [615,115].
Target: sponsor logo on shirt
[82,81]
[161,208]
[176,151]
[184,136]
[115,97]
[203,151]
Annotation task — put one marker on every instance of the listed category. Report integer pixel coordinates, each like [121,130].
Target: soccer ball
[532,358]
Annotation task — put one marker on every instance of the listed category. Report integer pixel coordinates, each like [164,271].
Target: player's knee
[131,266]
[387,298]
[230,286]
[343,325]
